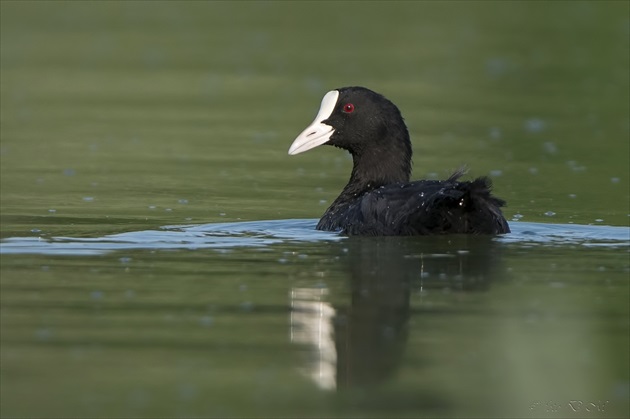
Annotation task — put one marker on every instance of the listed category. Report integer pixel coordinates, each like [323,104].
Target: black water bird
[379,199]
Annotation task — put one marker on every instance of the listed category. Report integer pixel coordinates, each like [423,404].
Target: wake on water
[265,233]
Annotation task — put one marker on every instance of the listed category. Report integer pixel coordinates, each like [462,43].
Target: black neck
[374,167]
[375,170]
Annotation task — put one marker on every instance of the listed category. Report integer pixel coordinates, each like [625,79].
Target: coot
[379,200]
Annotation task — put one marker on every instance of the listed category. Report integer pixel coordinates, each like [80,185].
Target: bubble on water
[572,195]
[246,306]
[533,170]
[35,230]
[495,133]
[124,260]
[575,166]
[130,294]
[517,216]
[43,334]
[139,398]
[182,201]
[168,209]
[187,391]
[188,219]
[496,67]
[557,284]
[88,198]
[206,321]
[496,173]
[432,175]
[52,210]
[242,287]
[96,295]
[222,214]
[615,179]
[598,220]
[535,125]
[69,172]
[322,201]
[283,260]
[550,147]
[550,213]
[152,207]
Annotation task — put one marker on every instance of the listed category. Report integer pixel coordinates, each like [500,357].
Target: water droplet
[550,213]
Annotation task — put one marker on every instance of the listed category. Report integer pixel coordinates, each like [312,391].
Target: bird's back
[420,208]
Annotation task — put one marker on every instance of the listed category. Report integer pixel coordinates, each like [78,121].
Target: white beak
[317,133]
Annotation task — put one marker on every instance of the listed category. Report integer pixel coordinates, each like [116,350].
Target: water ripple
[266,233]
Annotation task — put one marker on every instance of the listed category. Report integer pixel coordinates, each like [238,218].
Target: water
[288,318]
[223,236]
[158,252]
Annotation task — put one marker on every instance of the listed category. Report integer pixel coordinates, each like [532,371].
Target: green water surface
[128,116]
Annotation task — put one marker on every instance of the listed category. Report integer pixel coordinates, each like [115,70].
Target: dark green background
[125,116]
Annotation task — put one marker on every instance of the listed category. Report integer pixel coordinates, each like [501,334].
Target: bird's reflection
[362,343]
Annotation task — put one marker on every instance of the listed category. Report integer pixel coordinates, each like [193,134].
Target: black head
[366,124]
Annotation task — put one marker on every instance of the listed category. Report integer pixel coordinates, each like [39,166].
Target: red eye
[348,108]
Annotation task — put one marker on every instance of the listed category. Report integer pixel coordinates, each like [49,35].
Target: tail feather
[482,210]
